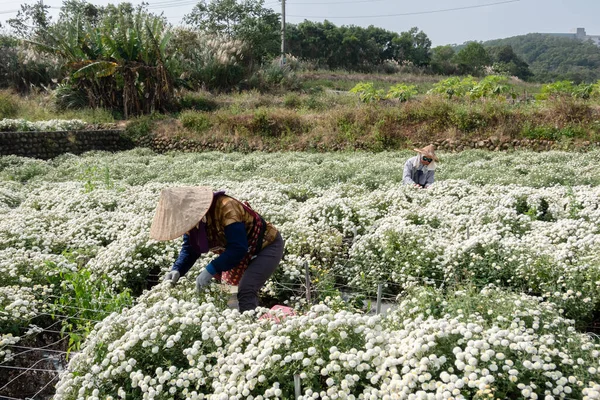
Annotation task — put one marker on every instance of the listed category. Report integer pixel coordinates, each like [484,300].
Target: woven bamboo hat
[179,210]
[428,151]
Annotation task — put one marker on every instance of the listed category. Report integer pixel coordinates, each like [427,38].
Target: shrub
[544,132]
[22,69]
[198,102]
[402,92]
[274,77]
[556,89]
[266,123]
[492,86]
[196,121]
[9,106]
[454,87]
[367,92]
[292,100]
[68,97]
[142,126]
[468,119]
[313,102]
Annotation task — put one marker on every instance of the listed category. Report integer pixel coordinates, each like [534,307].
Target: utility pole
[282,61]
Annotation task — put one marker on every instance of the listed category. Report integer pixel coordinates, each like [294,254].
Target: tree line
[127,58]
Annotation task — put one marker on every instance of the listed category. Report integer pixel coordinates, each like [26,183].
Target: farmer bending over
[249,248]
[419,170]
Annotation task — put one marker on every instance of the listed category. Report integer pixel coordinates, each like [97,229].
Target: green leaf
[98,69]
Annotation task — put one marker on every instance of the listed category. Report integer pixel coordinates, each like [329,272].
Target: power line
[412,13]
[172,5]
[338,2]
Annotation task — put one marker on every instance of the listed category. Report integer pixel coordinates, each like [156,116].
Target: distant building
[580,35]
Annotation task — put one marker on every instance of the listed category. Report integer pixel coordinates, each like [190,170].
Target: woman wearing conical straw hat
[249,248]
[419,170]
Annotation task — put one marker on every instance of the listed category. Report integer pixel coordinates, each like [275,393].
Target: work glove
[172,277]
[203,279]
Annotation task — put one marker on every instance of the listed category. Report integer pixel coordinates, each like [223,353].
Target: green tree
[472,59]
[441,60]
[115,57]
[245,20]
[506,62]
[552,58]
[412,46]
[32,21]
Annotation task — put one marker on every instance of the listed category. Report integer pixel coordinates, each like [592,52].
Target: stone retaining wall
[46,145]
[161,144]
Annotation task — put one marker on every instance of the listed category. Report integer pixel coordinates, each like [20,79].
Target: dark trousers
[259,270]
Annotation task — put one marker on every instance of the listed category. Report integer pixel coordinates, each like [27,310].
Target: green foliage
[119,59]
[9,106]
[274,77]
[68,97]
[355,48]
[247,21]
[553,58]
[367,92]
[472,59]
[292,100]
[413,47]
[583,91]
[92,176]
[198,102]
[208,61]
[89,298]
[492,86]
[141,127]
[195,120]
[441,60]
[506,62]
[544,132]
[556,89]
[540,212]
[402,92]
[454,87]
[273,124]
[22,70]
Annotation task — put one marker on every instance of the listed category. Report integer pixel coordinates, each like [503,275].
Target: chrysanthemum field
[493,275]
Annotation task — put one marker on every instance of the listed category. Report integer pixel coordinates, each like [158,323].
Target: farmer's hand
[172,277]
[203,279]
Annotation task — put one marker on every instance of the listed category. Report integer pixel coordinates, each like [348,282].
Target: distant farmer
[249,248]
[420,169]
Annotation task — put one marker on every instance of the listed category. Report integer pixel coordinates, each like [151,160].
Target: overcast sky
[444,21]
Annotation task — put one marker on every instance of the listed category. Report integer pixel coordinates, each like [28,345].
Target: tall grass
[40,107]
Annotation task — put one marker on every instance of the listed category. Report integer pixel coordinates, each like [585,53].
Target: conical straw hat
[179,210]
[428,151]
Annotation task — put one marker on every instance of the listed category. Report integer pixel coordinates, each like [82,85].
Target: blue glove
[203,279]
[172,277]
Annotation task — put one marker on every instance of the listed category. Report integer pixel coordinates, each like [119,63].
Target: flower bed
[176,344]
[74,243]
[21,125]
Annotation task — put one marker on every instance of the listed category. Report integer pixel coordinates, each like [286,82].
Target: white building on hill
[580,35]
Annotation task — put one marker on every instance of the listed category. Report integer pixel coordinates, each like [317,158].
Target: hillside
[552,58]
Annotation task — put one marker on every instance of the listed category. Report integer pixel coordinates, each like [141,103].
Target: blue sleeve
[187,257]
[235,249]
[407,175]
[430,178]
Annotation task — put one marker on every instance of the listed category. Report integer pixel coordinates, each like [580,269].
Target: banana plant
[119,61]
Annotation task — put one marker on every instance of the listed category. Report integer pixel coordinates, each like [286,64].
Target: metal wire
[44,387]
[35,349]
[40,348]
[25,370]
